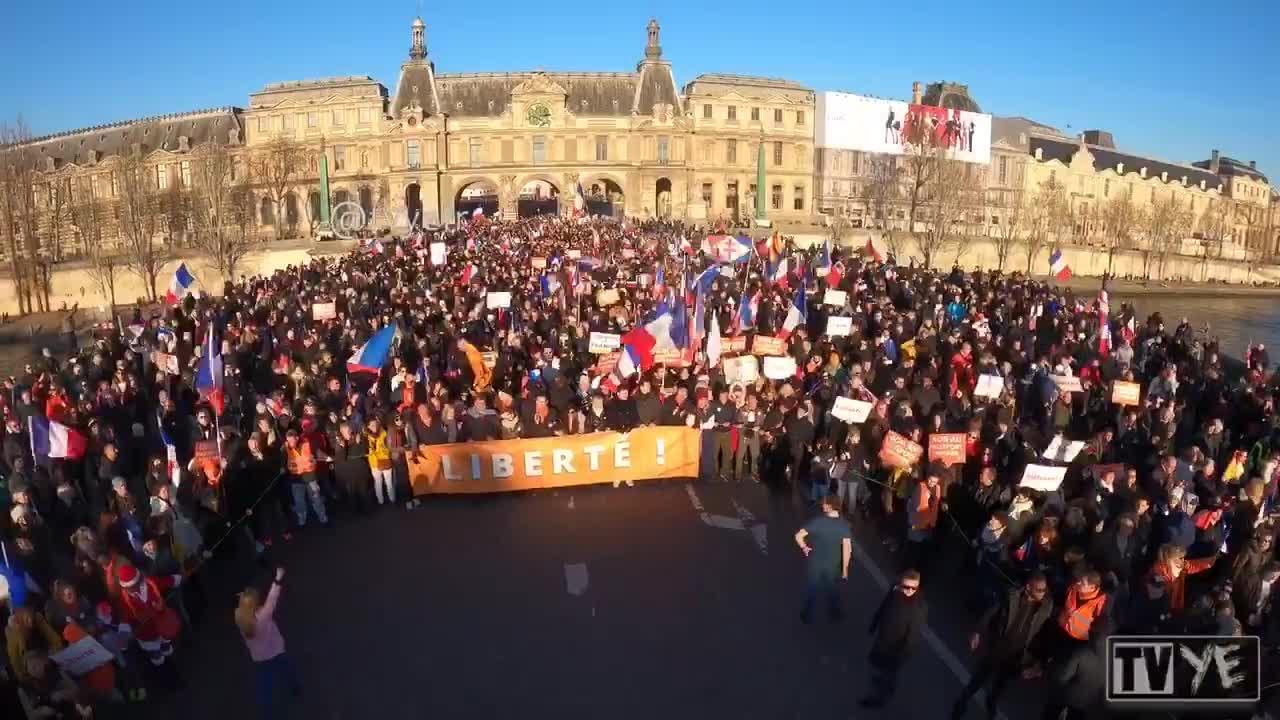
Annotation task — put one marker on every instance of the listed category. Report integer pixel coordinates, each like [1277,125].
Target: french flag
[668,331]
[373,354]
[727,248]
[748,308]
[870,251]
[835,274]
[1058,266]
[180,286]
[55,440]
[779,270]
[1104,320]
[796,315]
[579,200]
[550,284]
[209,373]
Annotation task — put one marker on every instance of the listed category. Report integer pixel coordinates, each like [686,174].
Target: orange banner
[650,453]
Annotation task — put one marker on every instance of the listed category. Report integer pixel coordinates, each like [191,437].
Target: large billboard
[856,122]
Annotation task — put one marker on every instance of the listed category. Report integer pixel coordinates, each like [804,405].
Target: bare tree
[1214,226]
[217,233]
[140,223]
[1049,213]
[884,190]
[954,191]
[91,218]
[175,211]
[22,217]
[1013,225]
[1167,223]
[1119,219]
[276,167]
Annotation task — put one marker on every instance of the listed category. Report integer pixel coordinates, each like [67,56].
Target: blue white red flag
[181,284]
[209,373]
[1058,266]
[796,315]
[55,440]
[371,356]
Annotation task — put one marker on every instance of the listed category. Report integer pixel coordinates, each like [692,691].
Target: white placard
[1043,477]
[743,369]
[601,343]
[1067,383]
[989,386]
[1062,449]
[839,326]
[82,656]
[780,368]
[498,300]
[834,297]
[439,253]
[850,410]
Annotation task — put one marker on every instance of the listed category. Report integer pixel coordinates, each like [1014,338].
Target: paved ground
[462,609]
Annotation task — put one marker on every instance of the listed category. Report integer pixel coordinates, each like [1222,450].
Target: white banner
[888,127]
[989,386]
[834,297]
[439,253]
[1043,477]
[850,410]
[1063,450]
[82,656]
[839,326]
[743,369]
[498,300]
[780,368]
[601,343]
[1067,383]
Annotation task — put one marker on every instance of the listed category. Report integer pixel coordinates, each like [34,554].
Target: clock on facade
[539,115]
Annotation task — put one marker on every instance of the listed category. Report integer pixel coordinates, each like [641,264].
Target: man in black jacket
[1005,633]
[897,623]
[1077,684]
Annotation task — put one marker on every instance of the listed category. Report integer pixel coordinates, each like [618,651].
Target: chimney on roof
[1101,138]
[1214,162]
[184,143]
[915,93]
[1253,164]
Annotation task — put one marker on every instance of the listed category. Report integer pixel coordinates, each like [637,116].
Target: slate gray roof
[1063,150]
[951,96]
[1231,167]
[416,79]
[1017,131]
[160,132]
[602,94]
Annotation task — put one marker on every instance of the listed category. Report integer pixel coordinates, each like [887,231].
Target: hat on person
[129,576]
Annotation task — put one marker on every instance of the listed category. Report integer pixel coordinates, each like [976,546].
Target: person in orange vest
[303,482]
[155,625]
[1085,603]
[1173,567]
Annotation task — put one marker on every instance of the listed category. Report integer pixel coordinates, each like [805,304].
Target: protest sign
[206,450]
[166,362]
[439,253]
[1044,478]
[538,263]
[742,369]
[575,254]
[605,298]
[989,386]
[670,358]
[765,345]
[850,410]
[735,344]
[82,656]
[601,343]
[606,363]
[1126,393]
[498,300]
[834,297]
[947,448]
[779,368]
[647,453]
[899,451]
[324,311]
[1067,383]
[1062,449]
[839,326]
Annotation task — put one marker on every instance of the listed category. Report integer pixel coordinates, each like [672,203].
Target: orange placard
[652,453]
[670,358]
[606,363]
[899,451]
[1126,393]
[538,263]
[947,448]
[736,344]
[765,345]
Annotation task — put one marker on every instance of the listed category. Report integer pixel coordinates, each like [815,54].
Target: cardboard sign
[1043,477]
[834,297]
[947,448]
[1067,383]
[850,410]
[439,253]
[779,368]
[765,345]
[490,358]
[606,363]
[601,343]
[538,263]
[575,254]
[899,451]
[839,326]
[1062,449]
[735,344]
[206,450]
[166,362]
[497,300]
[82,656]
[1126,393]
[989,386]
[743,369]
[324,311]
[605,298]
[669,358]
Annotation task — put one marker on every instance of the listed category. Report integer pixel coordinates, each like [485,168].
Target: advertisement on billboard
[875,125]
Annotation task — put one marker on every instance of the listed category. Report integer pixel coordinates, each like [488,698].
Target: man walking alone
[896,625]
[828,544]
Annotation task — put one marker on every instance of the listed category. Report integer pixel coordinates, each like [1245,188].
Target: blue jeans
[268,672]
[822,584]
[301,492]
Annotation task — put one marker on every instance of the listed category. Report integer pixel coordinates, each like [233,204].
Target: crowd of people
[1164,521]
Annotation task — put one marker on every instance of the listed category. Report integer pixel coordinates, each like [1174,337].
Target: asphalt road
[585,603]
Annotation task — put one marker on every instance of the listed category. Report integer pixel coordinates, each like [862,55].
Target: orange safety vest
[1078,615]
[301,460]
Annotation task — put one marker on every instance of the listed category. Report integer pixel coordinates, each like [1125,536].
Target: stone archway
[413,204]
[662,197]
[479,195]
[605,195]
[537,195]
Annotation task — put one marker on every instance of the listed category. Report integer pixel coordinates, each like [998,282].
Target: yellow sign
[652,453]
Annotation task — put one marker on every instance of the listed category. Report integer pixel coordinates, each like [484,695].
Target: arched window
[268,211]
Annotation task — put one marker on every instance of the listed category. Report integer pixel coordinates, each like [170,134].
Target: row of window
[731,114]
[311,120]
[731,195]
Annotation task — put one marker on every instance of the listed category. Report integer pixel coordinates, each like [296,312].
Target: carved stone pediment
[539,84]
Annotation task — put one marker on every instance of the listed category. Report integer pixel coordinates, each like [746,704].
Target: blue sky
[1171,79]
